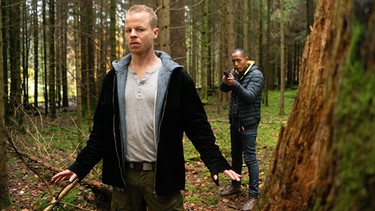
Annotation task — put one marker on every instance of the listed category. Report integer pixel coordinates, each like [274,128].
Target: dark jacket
[246,97]
[178,109]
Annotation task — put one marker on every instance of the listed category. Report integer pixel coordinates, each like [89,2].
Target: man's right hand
[62,175]
[229,80]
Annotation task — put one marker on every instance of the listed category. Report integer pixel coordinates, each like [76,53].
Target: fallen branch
[56,200]
[93,184]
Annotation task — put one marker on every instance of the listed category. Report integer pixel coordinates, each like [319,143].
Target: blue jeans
[244,141]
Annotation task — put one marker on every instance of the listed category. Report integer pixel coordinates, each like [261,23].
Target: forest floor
[30,188]
[28,192]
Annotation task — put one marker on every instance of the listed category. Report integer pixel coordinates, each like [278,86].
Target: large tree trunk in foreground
[325,155]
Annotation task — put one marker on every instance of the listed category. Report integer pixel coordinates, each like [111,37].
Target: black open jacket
[182,111]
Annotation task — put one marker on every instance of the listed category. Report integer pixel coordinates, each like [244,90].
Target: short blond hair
[143,8]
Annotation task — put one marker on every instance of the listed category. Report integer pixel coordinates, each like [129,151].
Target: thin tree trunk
[45,56]
[205,56]
[193,68]
[282,59]
[246,43]
[36,51]
[260,36]
[230,33]
[51,56]
[267,56]
[102,36]
[64,37]
[112,30]
[25,53]
[77,50]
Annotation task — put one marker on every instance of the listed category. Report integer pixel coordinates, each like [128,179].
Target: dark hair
[243,52]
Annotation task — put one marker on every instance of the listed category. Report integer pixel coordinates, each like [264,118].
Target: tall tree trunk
[77,50]
[193,64]
[4,181]
[63,48]
[91,57]
[103,44]
[84,29]
[5,47]
[164,25]
[112,30]
[45,56]
[267,56]
[178,32]
[282,59]
[36,51]
[230,33]
[25,53]
[15,59]
[260,37]
[324,159]
[51,56]
[59,45]
[205,56]
[88,56]
[246,24]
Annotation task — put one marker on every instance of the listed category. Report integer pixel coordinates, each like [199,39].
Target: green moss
[5,202]
[353,140]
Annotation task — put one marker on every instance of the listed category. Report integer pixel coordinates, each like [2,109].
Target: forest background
[55,53]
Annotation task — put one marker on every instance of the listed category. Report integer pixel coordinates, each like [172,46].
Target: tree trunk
[267,53]
[163,13]
[324,159]
[64,41]
[5,46]
[51,56]
[36,52]
[230,33]
[77,50]
[310,8]
[112,30]
[4,190]
[178,32]
[205,54]
[15,58]
[25,53]
[45,56]
[282,59]
[246,24]
[87,57]
[260,60]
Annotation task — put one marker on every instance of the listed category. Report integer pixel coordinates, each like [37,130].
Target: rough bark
[51,58]
[325,154]
[178,32]
[4,190]
[164,24]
